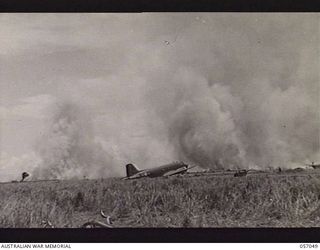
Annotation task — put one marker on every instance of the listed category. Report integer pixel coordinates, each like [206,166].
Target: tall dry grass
[220,201]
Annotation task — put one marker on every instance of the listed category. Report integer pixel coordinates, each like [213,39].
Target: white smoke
[68,149]
[200,130]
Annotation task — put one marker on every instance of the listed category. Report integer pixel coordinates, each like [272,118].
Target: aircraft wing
[136,176]
[178,171]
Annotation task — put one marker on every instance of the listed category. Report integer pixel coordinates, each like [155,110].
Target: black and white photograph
[159,120]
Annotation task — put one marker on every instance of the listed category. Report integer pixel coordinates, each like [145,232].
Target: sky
[83,94]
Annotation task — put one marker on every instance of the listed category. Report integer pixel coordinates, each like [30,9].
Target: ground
[257,200]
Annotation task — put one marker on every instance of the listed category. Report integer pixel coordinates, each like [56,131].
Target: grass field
[264,200]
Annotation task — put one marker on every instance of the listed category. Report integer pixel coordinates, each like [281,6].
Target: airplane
[315,166]
[165,170]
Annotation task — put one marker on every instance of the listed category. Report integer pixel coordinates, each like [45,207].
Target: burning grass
[216,201]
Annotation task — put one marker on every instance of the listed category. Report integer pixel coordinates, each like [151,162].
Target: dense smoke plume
[198,127]
[264,127]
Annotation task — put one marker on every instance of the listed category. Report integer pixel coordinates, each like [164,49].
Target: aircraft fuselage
[164,170]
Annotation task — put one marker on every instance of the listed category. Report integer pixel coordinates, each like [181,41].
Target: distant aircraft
[315,166]
[166,170]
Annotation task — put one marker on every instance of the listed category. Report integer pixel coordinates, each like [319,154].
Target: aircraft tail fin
[131,169]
